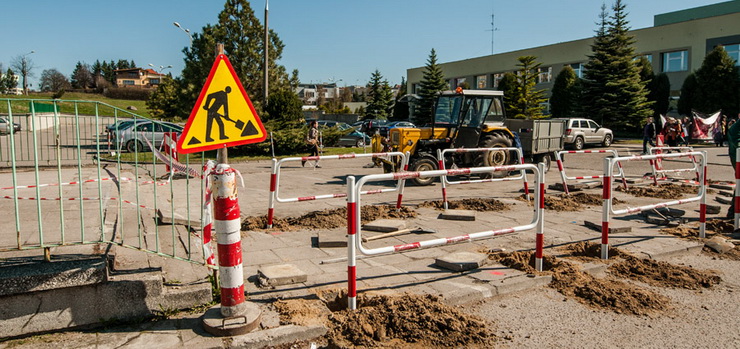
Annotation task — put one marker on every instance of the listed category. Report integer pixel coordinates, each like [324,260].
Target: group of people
[674,133]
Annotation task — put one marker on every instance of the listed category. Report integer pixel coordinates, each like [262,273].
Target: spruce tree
[527,104]
[688,91]
[401,110]
[432,82]
[510,86]
[380,97]
[614,94]
[717,84]
[565,94]
[660,94]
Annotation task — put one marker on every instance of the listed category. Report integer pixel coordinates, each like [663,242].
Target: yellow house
[138,77]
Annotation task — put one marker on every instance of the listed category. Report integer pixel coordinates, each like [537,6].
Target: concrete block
[722,186]
[520,283]
[722,200]
[384,225]
[613,228]
[329,239]
[283,274]
[719,244]
[713,209]
[571,187]
[41,276]
[165,217]
[726,193]
[461,261]
[457,215]
[248,320]
[277,336]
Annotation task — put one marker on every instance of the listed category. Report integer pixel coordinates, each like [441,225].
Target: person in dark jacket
[648,135]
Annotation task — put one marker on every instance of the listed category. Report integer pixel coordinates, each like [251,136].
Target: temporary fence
[564,177]
[608,210]
[441,163]
[354,233]
[275,180]
[736,198]
[67,188]
[657,166]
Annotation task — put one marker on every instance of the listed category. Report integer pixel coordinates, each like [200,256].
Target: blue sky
[326,40]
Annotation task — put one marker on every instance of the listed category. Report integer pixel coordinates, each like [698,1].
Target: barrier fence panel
[736,199]
[275,180]
[67,186]
[441,163]
[607,209]
[659,173]
[354,233]
[565,178]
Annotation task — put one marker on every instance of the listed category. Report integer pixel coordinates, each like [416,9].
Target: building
[676,44]
[138,77]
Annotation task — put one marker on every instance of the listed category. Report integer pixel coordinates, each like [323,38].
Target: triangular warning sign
[223,116]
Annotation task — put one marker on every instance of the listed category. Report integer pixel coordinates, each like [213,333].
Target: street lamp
[161,67]
[186,31]
[25,69]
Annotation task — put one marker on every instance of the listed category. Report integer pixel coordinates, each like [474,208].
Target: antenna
[493,29]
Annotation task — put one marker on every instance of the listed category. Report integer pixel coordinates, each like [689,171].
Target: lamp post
[186,31]
[161,68]
[25,69]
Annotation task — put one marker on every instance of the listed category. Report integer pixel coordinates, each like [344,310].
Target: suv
[369,126]
[579,132]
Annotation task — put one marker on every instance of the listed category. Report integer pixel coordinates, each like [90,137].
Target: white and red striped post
[621,170]
[737,189]
[443,179]
[607,202]
[169,146]
[351,244]
[703,202]
[540,229]
[402,182]
[524,175]
[207,221]
[273,187]
[559,161]
[228,224]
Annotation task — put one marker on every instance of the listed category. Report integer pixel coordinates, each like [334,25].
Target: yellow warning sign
[223,116]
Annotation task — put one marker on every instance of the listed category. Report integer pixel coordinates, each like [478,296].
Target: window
[129,82]
[481,81]
[578,69]
[459,81]
[676,61]
[649,57]
[592,124]
[496,78]
[148,127]
[154,81]
[544,75]
[584,124]
[734,52]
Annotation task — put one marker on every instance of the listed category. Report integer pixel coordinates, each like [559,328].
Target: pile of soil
[482,205]
[714,226]
[574,201]
[399,321]
[327,219]
[721,226]
[387,321]
[589,251]
[608,294]
[663,191]
[664,274]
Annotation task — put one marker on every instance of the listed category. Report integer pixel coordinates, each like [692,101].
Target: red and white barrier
[275,181]
[657,166]
[228,225]
[607,209]
[565,178]
[737,190]
[207,215]
[169,147]
[354,233]
[441,163]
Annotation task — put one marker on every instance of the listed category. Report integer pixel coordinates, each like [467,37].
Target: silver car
[132,136]
[6,128]
[579,132]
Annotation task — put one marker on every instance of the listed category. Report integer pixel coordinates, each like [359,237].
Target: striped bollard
[207,219]
[607,206]
[737,189]
[228,224]
[703,203]
[402,182]
[540,244]
[273,188]
[562,174]
[524,176]
[351,244]
[443,179]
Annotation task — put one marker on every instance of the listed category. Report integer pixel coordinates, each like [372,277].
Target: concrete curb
[276,336]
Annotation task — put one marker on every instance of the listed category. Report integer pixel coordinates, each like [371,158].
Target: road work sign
[223,116]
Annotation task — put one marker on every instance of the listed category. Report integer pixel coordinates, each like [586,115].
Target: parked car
[338,124]
[5,127]
[580,132]
[132,136]
[369,126]
[384,129]
[354,139]
[121,124]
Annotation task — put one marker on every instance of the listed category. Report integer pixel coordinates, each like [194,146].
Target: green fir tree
[431,83]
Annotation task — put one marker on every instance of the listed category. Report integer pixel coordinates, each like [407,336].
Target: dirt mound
[664,274]
[327,219]
[482,205]
[721,226]
[302,312]
[663,191]
[406,321]
[609,294]
[573,202]
[588,251]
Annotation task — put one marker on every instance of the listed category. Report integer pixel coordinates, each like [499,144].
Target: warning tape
[76,199]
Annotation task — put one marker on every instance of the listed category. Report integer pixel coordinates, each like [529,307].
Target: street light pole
[267,47]
[186,31]
[25,69]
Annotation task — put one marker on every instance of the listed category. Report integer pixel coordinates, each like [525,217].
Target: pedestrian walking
[672,132]
[312,142]
[686,126]
[648,135]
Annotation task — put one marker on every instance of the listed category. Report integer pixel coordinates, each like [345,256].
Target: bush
[289,141]
[128,93]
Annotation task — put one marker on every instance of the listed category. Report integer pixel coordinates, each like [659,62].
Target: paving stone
[282,274]
[461,261]
[520,283]
[713,209]
[166,217]
[723,200]
[457,215]
[385,225]
[722,186]
[719,244]
[332,239]
[618,229]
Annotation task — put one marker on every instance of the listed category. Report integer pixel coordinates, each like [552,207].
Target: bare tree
[52,80]
[23,65]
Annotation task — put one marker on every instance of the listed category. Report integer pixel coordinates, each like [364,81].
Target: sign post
[223,116]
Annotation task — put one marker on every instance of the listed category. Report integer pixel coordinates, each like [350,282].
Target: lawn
[85,104]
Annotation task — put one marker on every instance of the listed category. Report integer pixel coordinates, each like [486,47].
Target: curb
[275,336]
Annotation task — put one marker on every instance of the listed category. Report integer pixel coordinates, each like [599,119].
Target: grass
[20,104]
[195,158]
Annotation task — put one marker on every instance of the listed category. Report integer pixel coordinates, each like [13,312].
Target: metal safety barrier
[71,181]
[275,180]
[607,209]
[441,163]
[565,178]
[657,165]
[354,233]
[736,199]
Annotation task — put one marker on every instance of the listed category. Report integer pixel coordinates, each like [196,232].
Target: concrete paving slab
[332,239]
[613,228]
[461,261]
[260,257]
[281,274]
[385,225]
[457,215]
